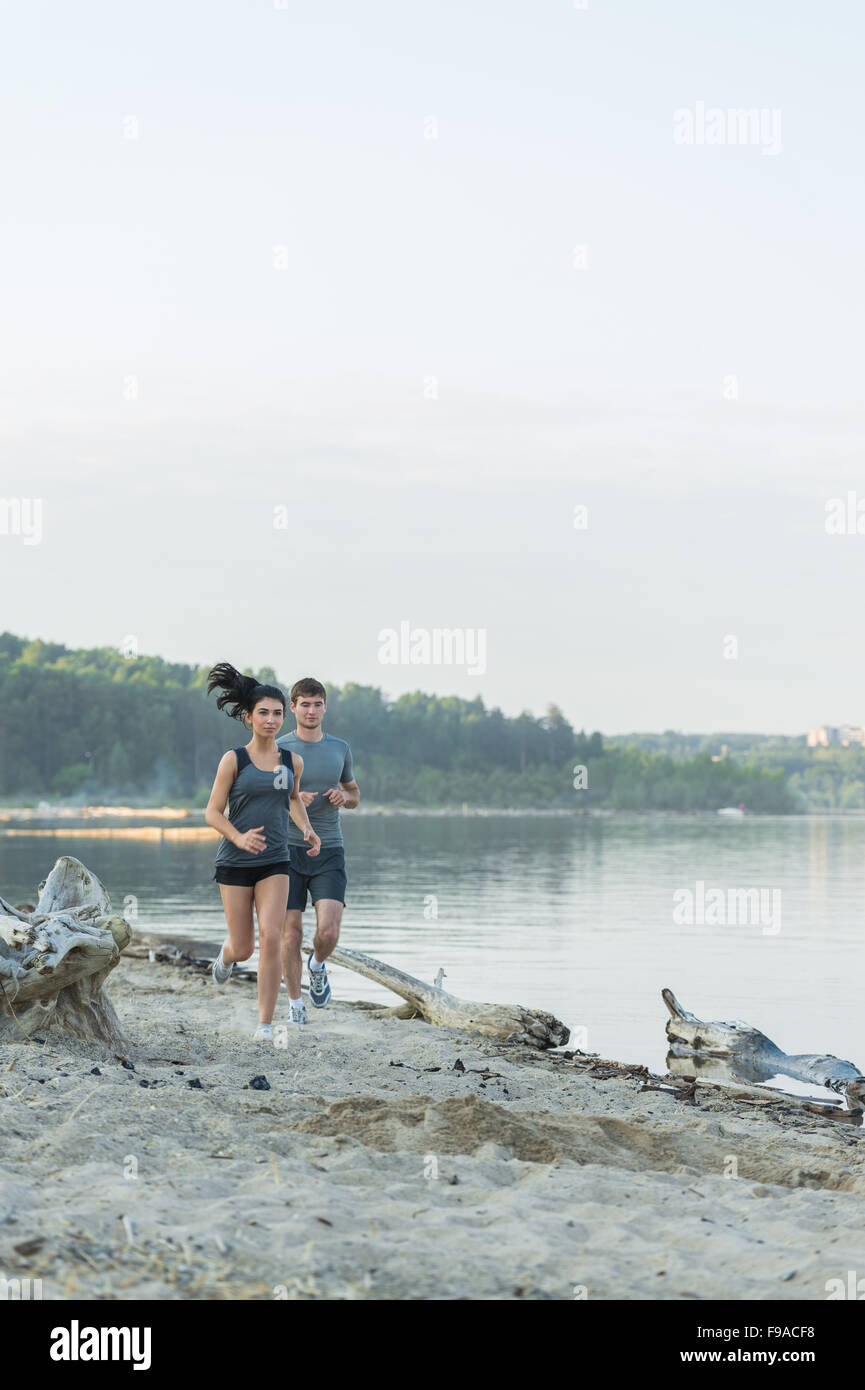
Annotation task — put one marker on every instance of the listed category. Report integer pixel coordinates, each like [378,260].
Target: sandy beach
[393,1160]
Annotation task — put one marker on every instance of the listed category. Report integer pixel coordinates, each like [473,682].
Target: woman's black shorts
[246,877]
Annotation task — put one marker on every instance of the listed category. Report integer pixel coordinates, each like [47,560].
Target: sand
[375,1167]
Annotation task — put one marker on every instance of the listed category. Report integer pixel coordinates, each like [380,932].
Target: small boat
[737,812]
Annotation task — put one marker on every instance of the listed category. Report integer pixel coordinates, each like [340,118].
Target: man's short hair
[308,686]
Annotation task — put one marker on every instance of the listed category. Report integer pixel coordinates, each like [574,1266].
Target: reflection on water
[570,915]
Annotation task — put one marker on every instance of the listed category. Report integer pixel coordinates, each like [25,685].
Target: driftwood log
[506,1023]
[510,1023]
[744,1054]
[54,960]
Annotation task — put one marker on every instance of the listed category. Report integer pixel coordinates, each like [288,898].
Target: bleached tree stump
[511,1023]
[54,960]
[752,1057]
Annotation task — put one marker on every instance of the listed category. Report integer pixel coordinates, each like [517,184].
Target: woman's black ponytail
[240,693]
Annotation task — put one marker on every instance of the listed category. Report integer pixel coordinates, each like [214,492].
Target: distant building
[831,736]
[821,737]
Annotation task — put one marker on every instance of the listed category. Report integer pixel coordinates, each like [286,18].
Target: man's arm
[346,795]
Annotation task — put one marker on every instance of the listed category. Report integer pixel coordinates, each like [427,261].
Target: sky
[323,324]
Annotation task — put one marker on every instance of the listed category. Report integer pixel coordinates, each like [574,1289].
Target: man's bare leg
[328,915]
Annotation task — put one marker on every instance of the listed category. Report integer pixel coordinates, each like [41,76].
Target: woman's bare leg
[270,896]
[237,902]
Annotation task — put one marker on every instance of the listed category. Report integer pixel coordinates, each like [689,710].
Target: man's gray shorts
[320,877]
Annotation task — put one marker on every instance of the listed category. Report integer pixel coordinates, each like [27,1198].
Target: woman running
[261,784]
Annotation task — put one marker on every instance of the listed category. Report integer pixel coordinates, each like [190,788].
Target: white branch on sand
[54,960]
[509,1022]
[751,1056]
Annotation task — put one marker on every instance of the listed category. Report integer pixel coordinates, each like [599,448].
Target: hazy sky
[325,259]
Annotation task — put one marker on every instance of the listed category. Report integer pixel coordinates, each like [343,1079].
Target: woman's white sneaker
[297,1013]
[263,1033]
[220,971]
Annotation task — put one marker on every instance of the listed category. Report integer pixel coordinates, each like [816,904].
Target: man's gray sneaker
[297,1013]
[319,986]
[220,971]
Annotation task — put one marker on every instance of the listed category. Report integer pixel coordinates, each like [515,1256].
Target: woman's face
[267,718]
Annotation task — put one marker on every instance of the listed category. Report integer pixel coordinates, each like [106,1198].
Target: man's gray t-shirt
[325,764]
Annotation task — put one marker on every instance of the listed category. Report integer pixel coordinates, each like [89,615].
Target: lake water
[572,915]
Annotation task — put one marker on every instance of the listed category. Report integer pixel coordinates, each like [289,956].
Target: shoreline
[393,1160]
[195,815]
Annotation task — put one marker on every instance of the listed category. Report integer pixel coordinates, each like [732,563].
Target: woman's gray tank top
[259,798]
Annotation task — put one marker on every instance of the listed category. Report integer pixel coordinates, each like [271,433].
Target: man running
[328,784]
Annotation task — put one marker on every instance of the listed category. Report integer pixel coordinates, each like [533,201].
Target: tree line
[80,725]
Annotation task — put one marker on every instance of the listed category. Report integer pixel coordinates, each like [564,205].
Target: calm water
[573,916]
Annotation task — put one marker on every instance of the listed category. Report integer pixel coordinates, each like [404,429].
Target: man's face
[308,710]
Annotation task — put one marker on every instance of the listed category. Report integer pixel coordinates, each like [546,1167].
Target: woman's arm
[253,842]
[297,809]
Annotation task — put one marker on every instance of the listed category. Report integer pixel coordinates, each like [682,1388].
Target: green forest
[80,726]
